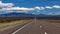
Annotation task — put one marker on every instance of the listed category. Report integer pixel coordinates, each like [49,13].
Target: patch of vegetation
[50,18]
[12,24]
[9,19]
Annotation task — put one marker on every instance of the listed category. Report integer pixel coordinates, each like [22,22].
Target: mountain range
[15,14]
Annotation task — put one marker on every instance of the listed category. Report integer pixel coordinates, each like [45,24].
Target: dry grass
[55,22]
[4,26]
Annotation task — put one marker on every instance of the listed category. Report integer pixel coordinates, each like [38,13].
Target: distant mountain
[15,14]
[48,16]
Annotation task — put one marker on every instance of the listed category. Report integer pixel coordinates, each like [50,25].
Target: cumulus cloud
[17,9]
[42,8]
[20,9]
[48,7]
[39,8]
[6,4]
[56,6]
[51,7]
[10,8]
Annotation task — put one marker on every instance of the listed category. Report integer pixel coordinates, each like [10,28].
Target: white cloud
[51,7]
[6,4]
[56,6]
[48,7]
[20,9]
[10,7]
[42,8]
[17,9]
[0,4]
[39,8]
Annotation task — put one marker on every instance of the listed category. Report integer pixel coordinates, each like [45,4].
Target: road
[38,27]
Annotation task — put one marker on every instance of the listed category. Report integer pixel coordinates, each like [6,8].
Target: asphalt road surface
[38,27]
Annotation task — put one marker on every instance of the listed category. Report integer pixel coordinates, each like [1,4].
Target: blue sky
[34,3]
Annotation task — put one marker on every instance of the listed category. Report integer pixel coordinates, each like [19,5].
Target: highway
[38,27]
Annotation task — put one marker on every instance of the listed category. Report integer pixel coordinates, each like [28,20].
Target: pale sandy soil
[4,26]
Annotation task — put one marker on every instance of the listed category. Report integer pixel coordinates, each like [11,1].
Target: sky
[48,7]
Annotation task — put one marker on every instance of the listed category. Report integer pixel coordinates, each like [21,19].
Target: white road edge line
[20,28]
[45,33]
[40,26]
